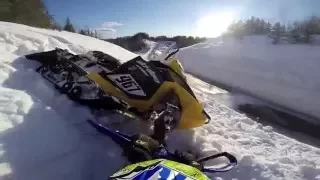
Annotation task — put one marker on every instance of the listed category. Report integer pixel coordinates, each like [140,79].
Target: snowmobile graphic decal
[149,70]
[143,74]
[156,169]
[127,83]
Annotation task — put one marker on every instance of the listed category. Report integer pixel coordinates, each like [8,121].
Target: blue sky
[171,17]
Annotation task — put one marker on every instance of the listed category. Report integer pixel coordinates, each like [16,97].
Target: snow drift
[44,135]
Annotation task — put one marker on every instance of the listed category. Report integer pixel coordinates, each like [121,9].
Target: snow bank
[44,135]
[24,39]
[315,39]
[283,74]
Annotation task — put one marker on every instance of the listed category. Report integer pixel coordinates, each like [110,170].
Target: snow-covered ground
[44,135]
[284,74]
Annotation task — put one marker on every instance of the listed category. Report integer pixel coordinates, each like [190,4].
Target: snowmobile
[139,148]
[148,90]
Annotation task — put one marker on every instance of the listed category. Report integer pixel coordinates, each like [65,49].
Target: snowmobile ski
[125,142]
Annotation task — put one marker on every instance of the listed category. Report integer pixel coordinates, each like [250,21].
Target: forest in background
[34,13]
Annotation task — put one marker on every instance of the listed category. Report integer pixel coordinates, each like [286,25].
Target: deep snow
[44,135]
[284,74]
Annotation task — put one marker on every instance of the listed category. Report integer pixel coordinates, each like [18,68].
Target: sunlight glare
[214,24]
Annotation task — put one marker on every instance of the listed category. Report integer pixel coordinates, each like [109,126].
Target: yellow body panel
[176,66]
[192,111]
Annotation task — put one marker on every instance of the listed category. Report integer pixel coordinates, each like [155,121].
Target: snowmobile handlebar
[207,116]
[231,164]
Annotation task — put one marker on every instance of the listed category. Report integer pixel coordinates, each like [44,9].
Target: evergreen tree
[6,13]
[299,31]
[250,26]
[268,27]
[277,27]
[29,12]
[87,32]
[283,28]
[313,25]
[83,32]
[276,31]
[262,26]
[95,33]
[54,24]
[256,26]
[68,26]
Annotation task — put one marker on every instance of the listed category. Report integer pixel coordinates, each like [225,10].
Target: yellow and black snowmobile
[151,90]
[144,84]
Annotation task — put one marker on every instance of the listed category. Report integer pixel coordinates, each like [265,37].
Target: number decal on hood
[127,83]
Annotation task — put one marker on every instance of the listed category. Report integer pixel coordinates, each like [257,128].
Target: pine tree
[262,27]
[95,33]
[276,30]
[87,32]
[6,10]
[256,26]
[283,28]
[82,32]
[29,12]
[54,24]
[68,26]
[268,27]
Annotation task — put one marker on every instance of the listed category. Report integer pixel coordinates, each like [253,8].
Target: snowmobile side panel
[192,111]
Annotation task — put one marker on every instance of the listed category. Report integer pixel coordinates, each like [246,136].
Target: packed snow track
[44,135]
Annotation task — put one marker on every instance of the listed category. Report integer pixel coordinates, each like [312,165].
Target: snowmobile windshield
[161,50]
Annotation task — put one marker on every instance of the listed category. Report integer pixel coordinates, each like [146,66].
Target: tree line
[296,32]
[136,42]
